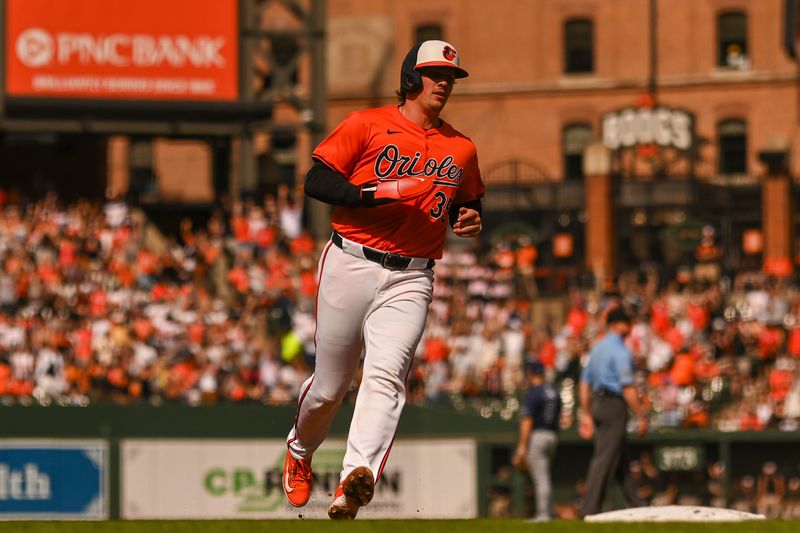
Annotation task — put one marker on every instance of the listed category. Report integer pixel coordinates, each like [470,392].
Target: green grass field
[386,526]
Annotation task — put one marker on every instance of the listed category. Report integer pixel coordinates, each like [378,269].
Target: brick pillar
[600,258]
[776,213]
[118,166]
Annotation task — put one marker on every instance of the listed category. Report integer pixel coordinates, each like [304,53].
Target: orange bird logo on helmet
[448,53]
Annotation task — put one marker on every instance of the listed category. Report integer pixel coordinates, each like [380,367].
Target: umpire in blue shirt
[607,393]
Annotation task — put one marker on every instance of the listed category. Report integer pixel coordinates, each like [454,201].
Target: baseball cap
[617,314]
[437,54]
[534,367]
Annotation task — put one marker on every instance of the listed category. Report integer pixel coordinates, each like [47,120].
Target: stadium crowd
[98,305]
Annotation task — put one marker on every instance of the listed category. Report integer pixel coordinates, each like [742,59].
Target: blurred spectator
[744,494]
[791,501]
[716,484]
[770,490]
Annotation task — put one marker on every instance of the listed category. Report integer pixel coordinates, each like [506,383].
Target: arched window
[732,41]
[578,46]
[574,140]
[428,32]
[732,147]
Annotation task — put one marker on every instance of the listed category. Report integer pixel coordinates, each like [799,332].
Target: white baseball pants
[361,306]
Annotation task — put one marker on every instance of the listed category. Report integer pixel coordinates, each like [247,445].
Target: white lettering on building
[662,126]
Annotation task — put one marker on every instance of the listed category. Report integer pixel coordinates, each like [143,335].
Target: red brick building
[688,97]
[714,78]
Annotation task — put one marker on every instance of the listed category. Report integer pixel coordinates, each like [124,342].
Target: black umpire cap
[617,314]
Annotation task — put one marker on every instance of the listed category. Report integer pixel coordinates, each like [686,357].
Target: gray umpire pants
[541,450]
[610,458]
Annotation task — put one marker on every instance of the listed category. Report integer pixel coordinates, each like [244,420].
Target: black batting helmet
[428,54]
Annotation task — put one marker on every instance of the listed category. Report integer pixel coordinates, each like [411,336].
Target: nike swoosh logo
[286,486]
[392,132]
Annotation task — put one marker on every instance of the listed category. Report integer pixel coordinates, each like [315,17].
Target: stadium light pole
[247,172]
[318,213]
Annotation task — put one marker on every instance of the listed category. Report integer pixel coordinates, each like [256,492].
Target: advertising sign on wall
[53,479]
[139,49]
[663,126]
[201,479]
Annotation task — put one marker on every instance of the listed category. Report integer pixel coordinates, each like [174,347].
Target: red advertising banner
[122,49]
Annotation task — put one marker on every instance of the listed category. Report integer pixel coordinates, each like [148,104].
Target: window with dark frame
[428,32]
[574,140]
[578,46]
[732,147]
[732,41]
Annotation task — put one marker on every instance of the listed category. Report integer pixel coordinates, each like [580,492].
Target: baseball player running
[397,176]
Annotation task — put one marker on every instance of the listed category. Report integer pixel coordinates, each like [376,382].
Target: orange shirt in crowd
[146,262]
[547,354]
[237,276]
[793,344]
[308,283]
[266,237]
[526,257]
[98,302]
[436,350]
[577,319]
[238,392]
[51,276]
[117,377]
[780,381]
[682,373]
[5,379]
[657,380]
[66,252]
[769,340]
[706,370]
[143,328]
[83,343]
[196,331]
[77,378]
[240,228]
[748,421]
[674,338]
[697,315]
[697,416]
[659,318]
[302,245]
[210,252]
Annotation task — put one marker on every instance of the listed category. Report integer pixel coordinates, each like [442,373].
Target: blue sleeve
[586,373]
[625,368]
[526,409]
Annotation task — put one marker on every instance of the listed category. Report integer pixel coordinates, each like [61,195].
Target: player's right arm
[335,159]
[328,186]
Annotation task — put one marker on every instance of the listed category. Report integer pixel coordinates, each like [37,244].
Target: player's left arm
[466,212]
[466,219]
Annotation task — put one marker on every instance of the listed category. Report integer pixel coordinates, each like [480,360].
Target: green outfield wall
[683,454]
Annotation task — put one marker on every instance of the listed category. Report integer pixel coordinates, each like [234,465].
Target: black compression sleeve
[453,214]
[327,185]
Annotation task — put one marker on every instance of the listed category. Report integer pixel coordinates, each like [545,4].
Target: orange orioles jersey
[381,144]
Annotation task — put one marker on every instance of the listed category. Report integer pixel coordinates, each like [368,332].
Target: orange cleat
[297,480]
[353,493]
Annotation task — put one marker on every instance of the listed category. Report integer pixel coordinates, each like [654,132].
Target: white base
[674,513]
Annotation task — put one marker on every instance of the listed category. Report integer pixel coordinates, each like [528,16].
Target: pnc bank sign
[38,48]
[139,50]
